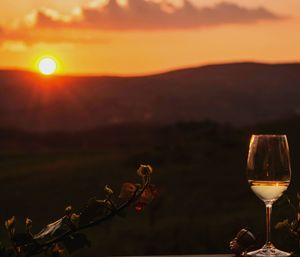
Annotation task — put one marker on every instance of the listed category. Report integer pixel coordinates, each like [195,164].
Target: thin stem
[268,223]
[135,196]
[39,248]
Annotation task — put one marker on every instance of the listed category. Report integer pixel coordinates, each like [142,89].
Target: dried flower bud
[243,242]
[144,170]
[28,223]
[68,211]
[139,207]
[108,191]
[10,223]
[127,190]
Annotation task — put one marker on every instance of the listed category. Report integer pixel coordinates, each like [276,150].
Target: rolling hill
[237,93]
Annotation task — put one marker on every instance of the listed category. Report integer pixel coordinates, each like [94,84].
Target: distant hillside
[240,93]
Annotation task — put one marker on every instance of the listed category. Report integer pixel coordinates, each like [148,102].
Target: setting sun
[47,66]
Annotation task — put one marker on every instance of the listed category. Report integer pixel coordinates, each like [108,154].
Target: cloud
[14,46]
[81,24]
[147,15]
[31,36]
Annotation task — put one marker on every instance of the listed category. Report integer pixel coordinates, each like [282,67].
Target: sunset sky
[128,37]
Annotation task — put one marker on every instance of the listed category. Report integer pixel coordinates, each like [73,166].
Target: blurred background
[91,89]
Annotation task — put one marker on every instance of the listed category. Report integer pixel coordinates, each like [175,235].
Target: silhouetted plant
[292,227]
[66,234]
[246,241]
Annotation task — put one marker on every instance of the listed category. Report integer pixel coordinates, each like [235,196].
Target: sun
[47,66]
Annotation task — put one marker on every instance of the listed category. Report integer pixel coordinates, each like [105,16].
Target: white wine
[268,190]
[269,175]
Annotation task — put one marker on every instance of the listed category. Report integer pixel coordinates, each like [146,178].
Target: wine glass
[269,174]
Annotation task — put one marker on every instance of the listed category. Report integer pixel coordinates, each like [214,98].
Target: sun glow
[47,65]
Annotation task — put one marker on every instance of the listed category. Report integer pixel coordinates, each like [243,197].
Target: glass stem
[268,223]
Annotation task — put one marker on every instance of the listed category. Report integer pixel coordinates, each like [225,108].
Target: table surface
[199,255]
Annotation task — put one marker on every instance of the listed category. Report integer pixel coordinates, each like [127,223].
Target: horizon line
[147,74]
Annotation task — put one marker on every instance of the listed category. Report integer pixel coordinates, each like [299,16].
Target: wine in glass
[269,174]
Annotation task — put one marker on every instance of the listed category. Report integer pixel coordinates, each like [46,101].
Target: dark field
[199,168]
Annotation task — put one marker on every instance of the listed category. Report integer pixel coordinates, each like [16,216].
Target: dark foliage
[63,234]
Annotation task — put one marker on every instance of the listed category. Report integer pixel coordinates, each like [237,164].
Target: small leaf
[282,224]
[75,219]
[93,209]
[49,230]
[127,190]
[56,250]
[147,196]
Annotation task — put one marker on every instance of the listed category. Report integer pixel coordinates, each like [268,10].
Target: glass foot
[268,250]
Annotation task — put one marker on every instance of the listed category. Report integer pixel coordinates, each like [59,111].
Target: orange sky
[140,37]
